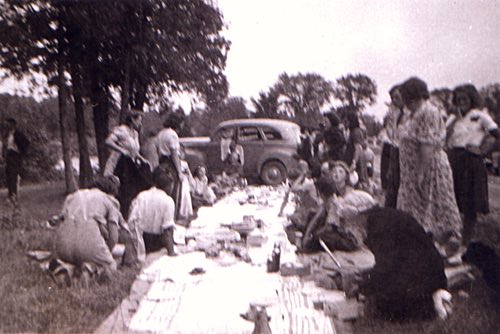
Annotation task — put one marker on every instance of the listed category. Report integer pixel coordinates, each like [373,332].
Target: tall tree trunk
[69,176]
[86,174]
[100,103]
[125,95]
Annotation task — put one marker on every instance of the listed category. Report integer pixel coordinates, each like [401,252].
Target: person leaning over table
[466,131]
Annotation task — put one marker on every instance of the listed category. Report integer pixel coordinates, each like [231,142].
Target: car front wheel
[273,173]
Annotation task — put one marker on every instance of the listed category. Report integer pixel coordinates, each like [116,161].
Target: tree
[142,47]
[300,97]
[203,122]
[491,97]
[266,105]
[355,91]
[372,125]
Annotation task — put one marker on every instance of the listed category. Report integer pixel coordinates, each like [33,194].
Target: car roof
[258,121]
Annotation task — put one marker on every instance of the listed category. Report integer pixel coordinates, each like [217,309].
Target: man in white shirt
[152,219]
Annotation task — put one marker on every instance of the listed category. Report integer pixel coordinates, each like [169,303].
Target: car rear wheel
[273,173]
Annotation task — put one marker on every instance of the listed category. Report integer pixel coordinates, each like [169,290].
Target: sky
[446,43]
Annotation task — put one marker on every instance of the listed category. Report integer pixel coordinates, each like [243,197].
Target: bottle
[273,263]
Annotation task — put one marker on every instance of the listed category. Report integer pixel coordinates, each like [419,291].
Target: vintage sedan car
[269,146]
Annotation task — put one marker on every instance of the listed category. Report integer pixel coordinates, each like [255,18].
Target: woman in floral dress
[426,181]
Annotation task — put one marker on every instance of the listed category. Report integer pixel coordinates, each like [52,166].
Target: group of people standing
[432,160]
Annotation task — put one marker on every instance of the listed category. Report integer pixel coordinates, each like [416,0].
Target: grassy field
[31,302]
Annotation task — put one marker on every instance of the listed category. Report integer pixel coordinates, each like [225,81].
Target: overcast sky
[444,42]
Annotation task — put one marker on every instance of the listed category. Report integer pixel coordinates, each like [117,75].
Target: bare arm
[311,225]
[112,144]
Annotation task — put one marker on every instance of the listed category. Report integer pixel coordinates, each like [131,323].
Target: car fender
[284,156]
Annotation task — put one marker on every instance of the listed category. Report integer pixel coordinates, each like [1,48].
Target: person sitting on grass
[89,227]
[152,218]
[331,223]
[201,192]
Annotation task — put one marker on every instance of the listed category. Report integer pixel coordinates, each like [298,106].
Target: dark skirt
[384,164]
[133,179]
[470,181]
[173,189]
[392,178]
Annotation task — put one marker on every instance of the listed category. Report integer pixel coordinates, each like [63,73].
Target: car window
[249,133]
[227,132]
[271,134]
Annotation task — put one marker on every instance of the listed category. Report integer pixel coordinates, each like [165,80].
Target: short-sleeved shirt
[127,138]
[151,211]
[470,129]
[168,141]
[79,238]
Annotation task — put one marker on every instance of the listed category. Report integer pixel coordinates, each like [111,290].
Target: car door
[214,151]
[250,139]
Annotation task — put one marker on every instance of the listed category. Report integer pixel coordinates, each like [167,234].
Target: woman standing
[126,162]
[466,130]
[169,155]
[389,163]
[426,182]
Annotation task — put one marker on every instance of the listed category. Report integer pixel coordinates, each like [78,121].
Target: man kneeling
[151,218]
[90,223]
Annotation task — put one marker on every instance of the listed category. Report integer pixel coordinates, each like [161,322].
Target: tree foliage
[203,121]
[355,91]
[143,48]
[301,98]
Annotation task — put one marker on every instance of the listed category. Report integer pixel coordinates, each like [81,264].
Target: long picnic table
[192,293]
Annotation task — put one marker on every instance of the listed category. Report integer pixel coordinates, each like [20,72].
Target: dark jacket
[21,141]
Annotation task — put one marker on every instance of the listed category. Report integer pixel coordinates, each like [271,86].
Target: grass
[476,314]
[31,302]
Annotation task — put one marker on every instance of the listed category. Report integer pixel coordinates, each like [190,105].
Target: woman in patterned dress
[426,181]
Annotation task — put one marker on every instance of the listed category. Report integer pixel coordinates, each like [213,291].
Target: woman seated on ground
[152,218]
[306,196]
[332,222]
[90,226]
[201,192]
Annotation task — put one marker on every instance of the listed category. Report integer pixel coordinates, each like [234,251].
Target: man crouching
[89,228]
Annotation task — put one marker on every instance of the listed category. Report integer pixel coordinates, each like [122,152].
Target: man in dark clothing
[15,146]
[334,138]
[408,268]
